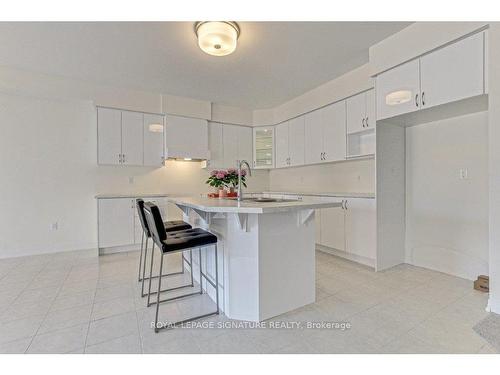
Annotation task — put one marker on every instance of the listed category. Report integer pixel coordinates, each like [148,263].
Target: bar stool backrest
[155,223]
[142,217]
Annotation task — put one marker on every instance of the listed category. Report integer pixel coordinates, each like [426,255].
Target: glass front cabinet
[263,147]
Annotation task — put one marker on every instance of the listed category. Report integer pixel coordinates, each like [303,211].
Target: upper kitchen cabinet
[215,145]
[313,137]
[229,143]
[109,136]
[186,137]
[132,138]
[290,143]
[334,131]
[325,134]
[129,138]
[398,90]
[245,143]
[296,151]
[449,74]
[361,123]
[453,73]
[263,147]
[282,143]
[153,133]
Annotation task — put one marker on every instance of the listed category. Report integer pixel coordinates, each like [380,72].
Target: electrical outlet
[464,174]
[54,226]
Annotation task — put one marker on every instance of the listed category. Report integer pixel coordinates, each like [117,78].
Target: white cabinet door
[334,131]
[186,137]
[313,138]
[230,135]
[361,227]
[282,145]
[263,147]
[109,137]
[454,72]
[215,145]
[116,222]
[371,109]
[333,228]
[245,145]
[356,113]
[296,146]
[132,138]
[153,140]
[398,90]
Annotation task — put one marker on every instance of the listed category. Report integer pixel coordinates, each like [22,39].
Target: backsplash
[350,177]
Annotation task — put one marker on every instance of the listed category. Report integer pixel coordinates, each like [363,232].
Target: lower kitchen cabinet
[333,228]
[350,228]
[361,227]
[118,221]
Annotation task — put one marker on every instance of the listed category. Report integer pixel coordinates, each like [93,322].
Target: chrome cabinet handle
[345,204]
[324,155]
[363,122]
[367,121]
[416,100]
[119,158]
[423,98]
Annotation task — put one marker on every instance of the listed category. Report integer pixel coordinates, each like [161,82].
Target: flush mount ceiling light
[217,38]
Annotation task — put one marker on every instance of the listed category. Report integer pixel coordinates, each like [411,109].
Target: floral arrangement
[226,178]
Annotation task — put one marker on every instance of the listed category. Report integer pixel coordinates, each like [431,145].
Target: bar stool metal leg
[158,293]
[201,282]
[144,267]
[151,272]
[216,279]
[140,259]
[191,265]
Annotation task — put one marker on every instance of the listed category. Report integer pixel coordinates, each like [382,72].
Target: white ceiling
[274,61]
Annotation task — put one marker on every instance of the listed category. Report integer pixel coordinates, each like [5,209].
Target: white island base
[266,254]
[268,269]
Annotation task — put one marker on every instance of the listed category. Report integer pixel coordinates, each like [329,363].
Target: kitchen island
[266,252]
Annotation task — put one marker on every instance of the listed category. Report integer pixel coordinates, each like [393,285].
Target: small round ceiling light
[217,38]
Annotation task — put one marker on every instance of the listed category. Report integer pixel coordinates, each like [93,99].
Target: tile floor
[79,303]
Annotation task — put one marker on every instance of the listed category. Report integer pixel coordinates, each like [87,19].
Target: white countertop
[249,207]
[138,195]
[325,194]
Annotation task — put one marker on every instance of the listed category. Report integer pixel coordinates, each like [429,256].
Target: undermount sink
[265,200]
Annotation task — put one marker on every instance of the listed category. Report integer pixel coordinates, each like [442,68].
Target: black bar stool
[170,226]
[173,242]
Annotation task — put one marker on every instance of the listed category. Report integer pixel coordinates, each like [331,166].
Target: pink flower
[214,172]
[220,174]
[231,170]
[244,172]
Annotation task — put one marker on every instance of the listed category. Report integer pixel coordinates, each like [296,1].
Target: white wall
[49,174]
[447,217]
[494,162]
[357,176]
[349,84]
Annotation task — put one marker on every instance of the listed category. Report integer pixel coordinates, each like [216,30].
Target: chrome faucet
[240,163]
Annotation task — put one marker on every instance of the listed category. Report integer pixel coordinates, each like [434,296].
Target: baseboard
[17,254]
[342,254]
[118,249]
[493,306]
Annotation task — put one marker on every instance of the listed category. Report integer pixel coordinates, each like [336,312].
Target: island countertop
[249,206]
